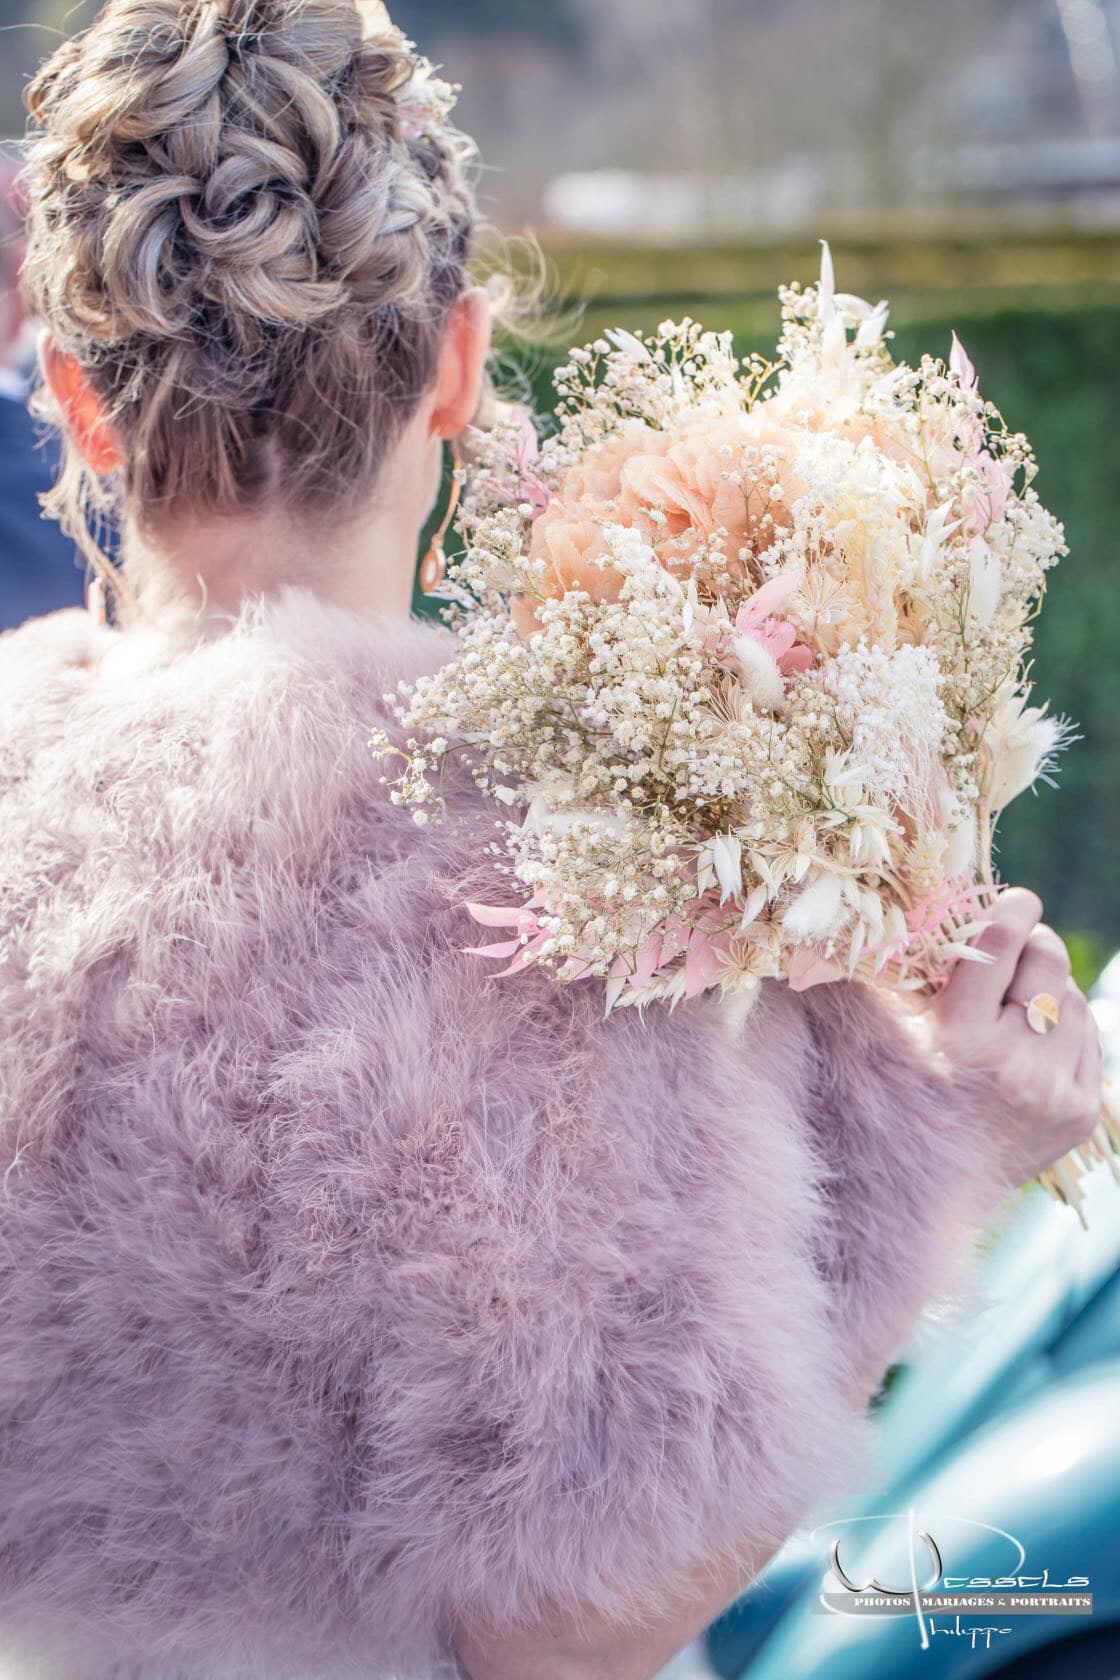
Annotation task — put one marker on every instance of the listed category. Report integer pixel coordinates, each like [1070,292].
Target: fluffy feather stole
[343,1287]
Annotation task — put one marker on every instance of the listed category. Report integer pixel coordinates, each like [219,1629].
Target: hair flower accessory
[749,642]
[428,100]
[375,18]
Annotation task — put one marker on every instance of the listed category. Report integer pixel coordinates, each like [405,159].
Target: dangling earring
[434,564]
[95,601]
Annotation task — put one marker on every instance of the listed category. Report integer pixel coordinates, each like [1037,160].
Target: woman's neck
[208,566]
[207,569]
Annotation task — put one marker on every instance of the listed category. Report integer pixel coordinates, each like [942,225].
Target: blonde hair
[250,241]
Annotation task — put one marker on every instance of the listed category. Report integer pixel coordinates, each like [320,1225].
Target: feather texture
[341,1289]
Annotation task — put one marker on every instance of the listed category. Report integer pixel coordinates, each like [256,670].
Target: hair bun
[229,197]
[249,152]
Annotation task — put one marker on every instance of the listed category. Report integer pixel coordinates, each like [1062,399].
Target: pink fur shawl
[343,1286]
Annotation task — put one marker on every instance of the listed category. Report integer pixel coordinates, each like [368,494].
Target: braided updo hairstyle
[250,241]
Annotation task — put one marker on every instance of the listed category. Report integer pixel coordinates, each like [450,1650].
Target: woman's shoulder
[206,812]
[198,843]
[292,635]
[271,706]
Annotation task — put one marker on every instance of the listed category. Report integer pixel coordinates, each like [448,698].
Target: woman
[358,1317]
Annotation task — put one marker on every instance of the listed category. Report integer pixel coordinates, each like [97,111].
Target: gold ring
[1043,1012]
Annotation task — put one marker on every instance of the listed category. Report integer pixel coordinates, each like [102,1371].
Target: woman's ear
[85,419]
[462,363]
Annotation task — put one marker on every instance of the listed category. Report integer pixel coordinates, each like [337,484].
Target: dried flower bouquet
[745,655]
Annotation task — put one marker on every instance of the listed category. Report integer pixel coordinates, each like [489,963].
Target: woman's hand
[1047,1087]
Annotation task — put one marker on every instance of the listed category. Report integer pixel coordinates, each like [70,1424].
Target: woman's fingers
[1043,966]
[976,991]
[1045,1087]
[1050,1058]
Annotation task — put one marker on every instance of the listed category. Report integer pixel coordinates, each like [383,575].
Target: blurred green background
[963,158]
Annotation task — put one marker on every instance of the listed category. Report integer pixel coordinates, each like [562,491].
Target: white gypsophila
[888,705]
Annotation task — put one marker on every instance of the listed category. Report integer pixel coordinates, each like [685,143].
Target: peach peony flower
[568,534]
[712,474]
[717,475]
[598,477]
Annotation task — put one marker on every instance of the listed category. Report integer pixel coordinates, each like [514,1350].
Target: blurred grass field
[1040,316]
[921,270]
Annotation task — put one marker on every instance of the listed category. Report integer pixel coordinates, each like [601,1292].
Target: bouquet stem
[1062,1180]
[1102,1144]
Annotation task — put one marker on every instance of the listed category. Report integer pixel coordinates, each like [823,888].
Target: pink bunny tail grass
[943,921]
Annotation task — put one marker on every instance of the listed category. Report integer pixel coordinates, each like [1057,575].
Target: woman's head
[250,221]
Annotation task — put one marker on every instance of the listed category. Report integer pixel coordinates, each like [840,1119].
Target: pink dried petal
[808,968]
[647,960]
[505,949]
[799,658]
[768,600]
[960,364]
[701,965]
[494,915]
